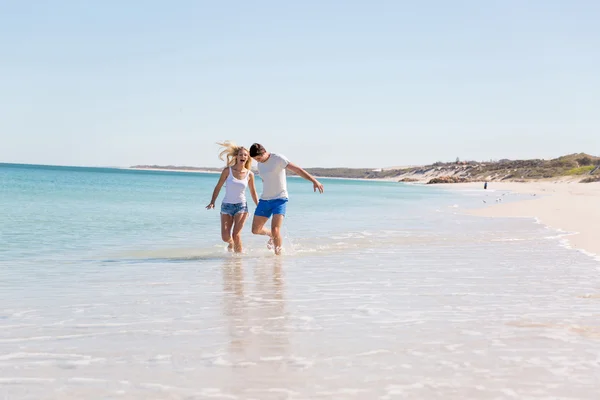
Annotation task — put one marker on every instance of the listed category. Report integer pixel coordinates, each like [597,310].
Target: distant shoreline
[210,171]
[578,167]
[175,169]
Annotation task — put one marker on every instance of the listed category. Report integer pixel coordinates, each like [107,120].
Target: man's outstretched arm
[302,173]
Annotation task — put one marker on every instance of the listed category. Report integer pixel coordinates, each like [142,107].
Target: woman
[234,209]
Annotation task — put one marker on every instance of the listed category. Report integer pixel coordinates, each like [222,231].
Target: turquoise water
[93,211]
[115,284]
[68,213]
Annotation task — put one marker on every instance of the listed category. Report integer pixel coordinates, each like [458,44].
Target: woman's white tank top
[235,189]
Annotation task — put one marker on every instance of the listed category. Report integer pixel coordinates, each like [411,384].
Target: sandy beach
[560,204]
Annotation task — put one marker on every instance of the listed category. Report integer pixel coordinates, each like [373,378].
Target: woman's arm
[252,188]
[220,183]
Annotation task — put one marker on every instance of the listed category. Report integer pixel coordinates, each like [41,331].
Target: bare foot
[230,247]
[270,244]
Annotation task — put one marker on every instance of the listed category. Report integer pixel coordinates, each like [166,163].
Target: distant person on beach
[485,185]
[274,198]
[237,177]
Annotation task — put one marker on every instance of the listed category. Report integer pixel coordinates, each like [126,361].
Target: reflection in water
[235,308]
[256,322]
[269,314]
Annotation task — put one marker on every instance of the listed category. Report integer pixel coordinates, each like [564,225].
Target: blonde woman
[237,177]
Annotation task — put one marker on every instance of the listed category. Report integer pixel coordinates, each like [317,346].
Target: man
[273,200]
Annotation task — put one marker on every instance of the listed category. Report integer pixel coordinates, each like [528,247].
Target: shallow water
[114,284]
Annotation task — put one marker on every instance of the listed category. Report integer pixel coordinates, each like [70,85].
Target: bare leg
[276,224]
[226,224]
[238,223]
[258,228]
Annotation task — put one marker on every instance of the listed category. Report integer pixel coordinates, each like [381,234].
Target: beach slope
[564,205]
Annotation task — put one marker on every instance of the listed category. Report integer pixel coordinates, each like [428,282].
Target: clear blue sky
[327,83]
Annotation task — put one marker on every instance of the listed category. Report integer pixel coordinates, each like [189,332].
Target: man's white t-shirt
[273,175]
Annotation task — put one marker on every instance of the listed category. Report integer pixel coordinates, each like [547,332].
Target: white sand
[566,205]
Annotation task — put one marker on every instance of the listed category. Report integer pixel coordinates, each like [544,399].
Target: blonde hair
[230,153]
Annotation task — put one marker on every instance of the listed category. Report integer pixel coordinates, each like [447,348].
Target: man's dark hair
[257,149]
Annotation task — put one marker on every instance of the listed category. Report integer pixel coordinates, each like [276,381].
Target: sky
[325,83]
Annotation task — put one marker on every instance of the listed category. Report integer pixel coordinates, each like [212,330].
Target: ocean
[115,284]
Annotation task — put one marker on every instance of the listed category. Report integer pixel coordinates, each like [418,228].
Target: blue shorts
[266,208]
[233,209]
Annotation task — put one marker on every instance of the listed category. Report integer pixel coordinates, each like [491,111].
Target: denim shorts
[266,208]
[234,209]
